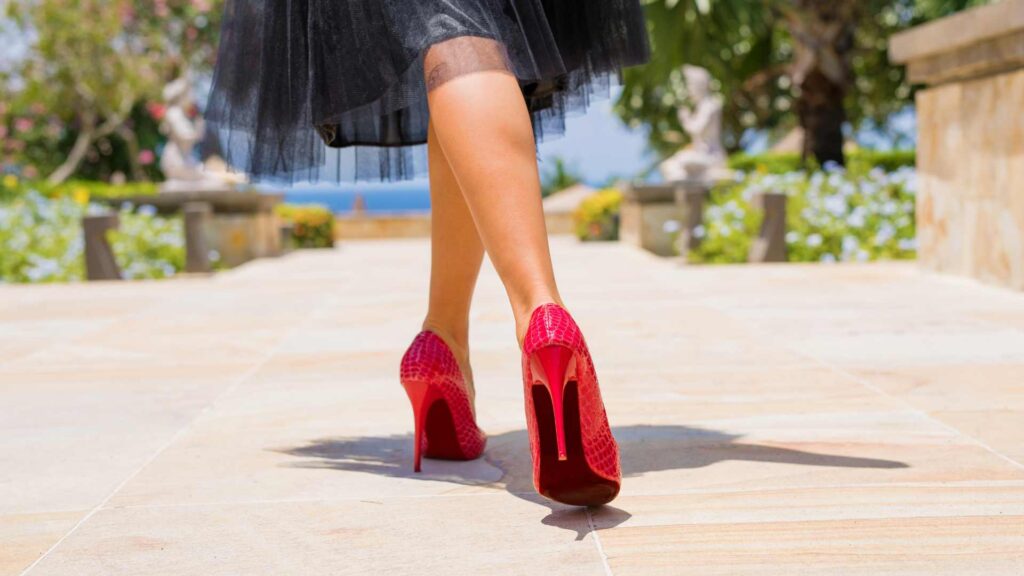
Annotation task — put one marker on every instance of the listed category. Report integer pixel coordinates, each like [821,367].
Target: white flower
[147,210]
[836,205]
[699,231]
[814,240]
[827,258]
[850,244]
[671,226]
[792,237]
[856,218]
[833,167]
[886,232]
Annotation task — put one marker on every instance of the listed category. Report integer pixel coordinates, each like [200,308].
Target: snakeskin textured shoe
[575,457]
[445,426]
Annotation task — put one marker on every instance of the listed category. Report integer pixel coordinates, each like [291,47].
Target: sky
[598,145]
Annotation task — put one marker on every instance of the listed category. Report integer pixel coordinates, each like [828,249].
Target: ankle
[524,311]
[455,335]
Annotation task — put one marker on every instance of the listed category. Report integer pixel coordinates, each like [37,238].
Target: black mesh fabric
[298,78]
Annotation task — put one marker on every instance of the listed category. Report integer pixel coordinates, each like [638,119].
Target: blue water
[391,198]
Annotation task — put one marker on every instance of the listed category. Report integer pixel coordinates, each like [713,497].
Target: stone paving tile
[807,504]
[952,387]
[68,440]
[773,419]
[26,537]
[1000,430]
[929,546]
[468,535]
[985,402]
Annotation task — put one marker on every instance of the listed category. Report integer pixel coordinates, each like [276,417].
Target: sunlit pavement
[854,419]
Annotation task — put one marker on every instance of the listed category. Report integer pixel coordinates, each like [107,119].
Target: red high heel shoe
[575,457]
[445,426]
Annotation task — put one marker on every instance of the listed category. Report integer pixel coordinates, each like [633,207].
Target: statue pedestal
[645,212]
[663,218]
[691,197]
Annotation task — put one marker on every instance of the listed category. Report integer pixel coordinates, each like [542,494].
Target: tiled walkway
[773,420]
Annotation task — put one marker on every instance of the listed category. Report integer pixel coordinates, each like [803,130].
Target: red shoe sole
[569,481]
[442,443]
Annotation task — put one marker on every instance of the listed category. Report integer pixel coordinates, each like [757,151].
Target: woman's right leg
[482,124]
[455,259]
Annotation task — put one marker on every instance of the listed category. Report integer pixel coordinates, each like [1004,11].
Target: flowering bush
[597,217]
[312,224]
[832,215]
[41,240]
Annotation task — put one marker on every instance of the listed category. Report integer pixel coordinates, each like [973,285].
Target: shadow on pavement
[506,463]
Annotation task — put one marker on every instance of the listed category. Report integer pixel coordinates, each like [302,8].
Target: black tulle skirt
[335,89]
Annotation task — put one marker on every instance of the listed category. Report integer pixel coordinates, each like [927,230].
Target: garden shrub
[41,240]
[832,215]
[312,224]
[597,217]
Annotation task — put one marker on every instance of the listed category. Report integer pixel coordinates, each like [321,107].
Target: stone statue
[184,173]
[704,158]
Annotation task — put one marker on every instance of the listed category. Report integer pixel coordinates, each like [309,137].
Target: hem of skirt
[421,54]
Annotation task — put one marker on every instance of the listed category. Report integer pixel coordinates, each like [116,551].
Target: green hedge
[82,191]
[857,161]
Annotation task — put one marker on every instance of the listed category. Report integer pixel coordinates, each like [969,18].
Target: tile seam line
[597,543]
[873,388]
[244,377]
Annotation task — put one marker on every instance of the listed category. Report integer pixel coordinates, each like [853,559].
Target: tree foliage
[92,65]
[752,48]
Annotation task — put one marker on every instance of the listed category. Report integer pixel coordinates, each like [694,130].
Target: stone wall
[970,210]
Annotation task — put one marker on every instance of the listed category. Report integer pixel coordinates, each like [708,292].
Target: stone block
[970,159]
[645,212]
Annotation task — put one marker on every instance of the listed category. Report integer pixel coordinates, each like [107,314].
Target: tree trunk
[132,142]
[86,134]
[822,115]
[823,37]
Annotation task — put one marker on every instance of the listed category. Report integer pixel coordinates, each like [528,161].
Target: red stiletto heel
[554,373]
[422,397]
[445,427]
[575,456]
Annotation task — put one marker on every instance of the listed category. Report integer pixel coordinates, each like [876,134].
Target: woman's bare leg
[483,127]
[456,255]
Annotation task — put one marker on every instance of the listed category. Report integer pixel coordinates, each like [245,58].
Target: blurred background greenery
[83,100]
[81,106]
